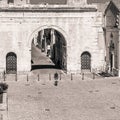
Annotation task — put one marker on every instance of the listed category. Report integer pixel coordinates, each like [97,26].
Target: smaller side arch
[11,63]
[86,61]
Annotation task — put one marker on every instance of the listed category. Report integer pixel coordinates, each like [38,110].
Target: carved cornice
[49,9]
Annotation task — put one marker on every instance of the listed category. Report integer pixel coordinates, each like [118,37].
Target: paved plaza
[70,100]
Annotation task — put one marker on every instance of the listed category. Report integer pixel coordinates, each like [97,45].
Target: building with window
[82,37]
[112,37]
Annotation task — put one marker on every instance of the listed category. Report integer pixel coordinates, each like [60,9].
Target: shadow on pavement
[103,74]
[35,67]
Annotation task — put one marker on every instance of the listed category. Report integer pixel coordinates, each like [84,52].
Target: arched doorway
[50,43]
[11,63]
[85,61]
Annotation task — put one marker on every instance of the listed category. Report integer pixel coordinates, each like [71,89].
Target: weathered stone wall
[20,2]
[82,31]
[3,2]
[76,2]
[112,35]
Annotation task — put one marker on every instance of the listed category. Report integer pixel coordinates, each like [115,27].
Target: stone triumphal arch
[69,31]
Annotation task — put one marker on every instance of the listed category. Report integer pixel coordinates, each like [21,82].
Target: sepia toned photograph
[59,60]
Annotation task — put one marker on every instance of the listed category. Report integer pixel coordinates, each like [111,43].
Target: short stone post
[93,75]
[83,76]
[27,78]
[71,76]
[49,76]
[16,77]
[4,76]
[60,76]
[38,77]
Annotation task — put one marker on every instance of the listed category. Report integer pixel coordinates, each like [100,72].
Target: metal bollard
[93,75]
[27,78]
[82,76]
[4,76]
[71,76]
[49,76]
[38,77]
[60,76]
[16,77]
[7,103]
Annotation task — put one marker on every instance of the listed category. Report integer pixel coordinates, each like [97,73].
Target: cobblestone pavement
[70,100]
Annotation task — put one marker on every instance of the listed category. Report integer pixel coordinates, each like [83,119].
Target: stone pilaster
[119,54]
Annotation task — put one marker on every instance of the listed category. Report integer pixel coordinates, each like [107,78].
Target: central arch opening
[48,50]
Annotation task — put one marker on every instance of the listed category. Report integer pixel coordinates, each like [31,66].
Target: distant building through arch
[53,44]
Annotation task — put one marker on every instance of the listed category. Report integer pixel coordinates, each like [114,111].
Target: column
[45,46]
[52,42]
[35,39]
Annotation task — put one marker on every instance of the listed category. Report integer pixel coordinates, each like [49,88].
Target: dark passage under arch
[49,50]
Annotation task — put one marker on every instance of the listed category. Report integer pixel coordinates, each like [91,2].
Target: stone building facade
[112,37]
[81,26]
